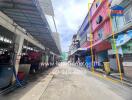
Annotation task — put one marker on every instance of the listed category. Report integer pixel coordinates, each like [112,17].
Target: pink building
[100,22]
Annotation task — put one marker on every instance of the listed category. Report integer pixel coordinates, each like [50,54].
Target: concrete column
[53,60]
[18,47]
[18,50]
[47,59]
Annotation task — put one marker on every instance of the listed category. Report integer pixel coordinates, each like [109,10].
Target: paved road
[71,83]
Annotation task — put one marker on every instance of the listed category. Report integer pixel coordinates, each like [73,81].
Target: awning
[129,33]
[79,49]
[82,49]
[30,15]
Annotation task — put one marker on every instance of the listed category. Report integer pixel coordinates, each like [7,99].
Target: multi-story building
[97,25]
[108,17]
[105,19]
[101,29]
[82,32]
[74,48]
[122,28]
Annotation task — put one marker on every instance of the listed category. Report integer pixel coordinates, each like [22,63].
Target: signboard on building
[122,39]
[117,10]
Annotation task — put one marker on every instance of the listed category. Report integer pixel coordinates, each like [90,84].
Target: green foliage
[64,56]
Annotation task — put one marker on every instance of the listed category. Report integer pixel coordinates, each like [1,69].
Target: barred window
[100,34]
[128,15]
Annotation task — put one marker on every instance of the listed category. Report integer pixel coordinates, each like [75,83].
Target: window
[86,27]
[100,34]
[128,15]
[99,19]
[83,39]
[120,22]
[98,3]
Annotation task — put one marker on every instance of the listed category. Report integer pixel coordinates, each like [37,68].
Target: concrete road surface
[67,82]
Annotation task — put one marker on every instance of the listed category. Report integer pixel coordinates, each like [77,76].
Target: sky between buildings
[69,15]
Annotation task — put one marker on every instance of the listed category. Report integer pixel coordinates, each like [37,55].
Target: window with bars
[100,34]
[128,15]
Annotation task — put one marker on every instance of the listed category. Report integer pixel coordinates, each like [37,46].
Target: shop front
[113,58]
[127,59]
[124,48]
[127,56]
[6,57]
[101,54]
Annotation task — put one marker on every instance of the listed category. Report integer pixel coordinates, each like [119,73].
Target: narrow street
[65,49]
[67,82]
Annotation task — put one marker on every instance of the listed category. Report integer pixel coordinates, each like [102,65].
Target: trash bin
[107,67]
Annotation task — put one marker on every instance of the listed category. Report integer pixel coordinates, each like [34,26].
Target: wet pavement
[67,82]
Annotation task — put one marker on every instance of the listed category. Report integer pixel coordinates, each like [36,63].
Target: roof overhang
[79,50]
[29,15]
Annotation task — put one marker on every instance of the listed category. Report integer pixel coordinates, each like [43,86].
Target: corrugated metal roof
[29,15]
[47,7]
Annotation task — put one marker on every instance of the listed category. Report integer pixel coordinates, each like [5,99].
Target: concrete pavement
[72,83]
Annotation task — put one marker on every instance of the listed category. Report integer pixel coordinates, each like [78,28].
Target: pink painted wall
[103,12]
[93,8]
[105,24]
[106,30]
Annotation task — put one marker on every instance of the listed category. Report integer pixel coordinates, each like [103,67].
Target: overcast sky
[69,15]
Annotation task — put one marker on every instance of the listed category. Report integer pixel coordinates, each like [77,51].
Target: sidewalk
[126,80]
[33,90]
[115,76]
